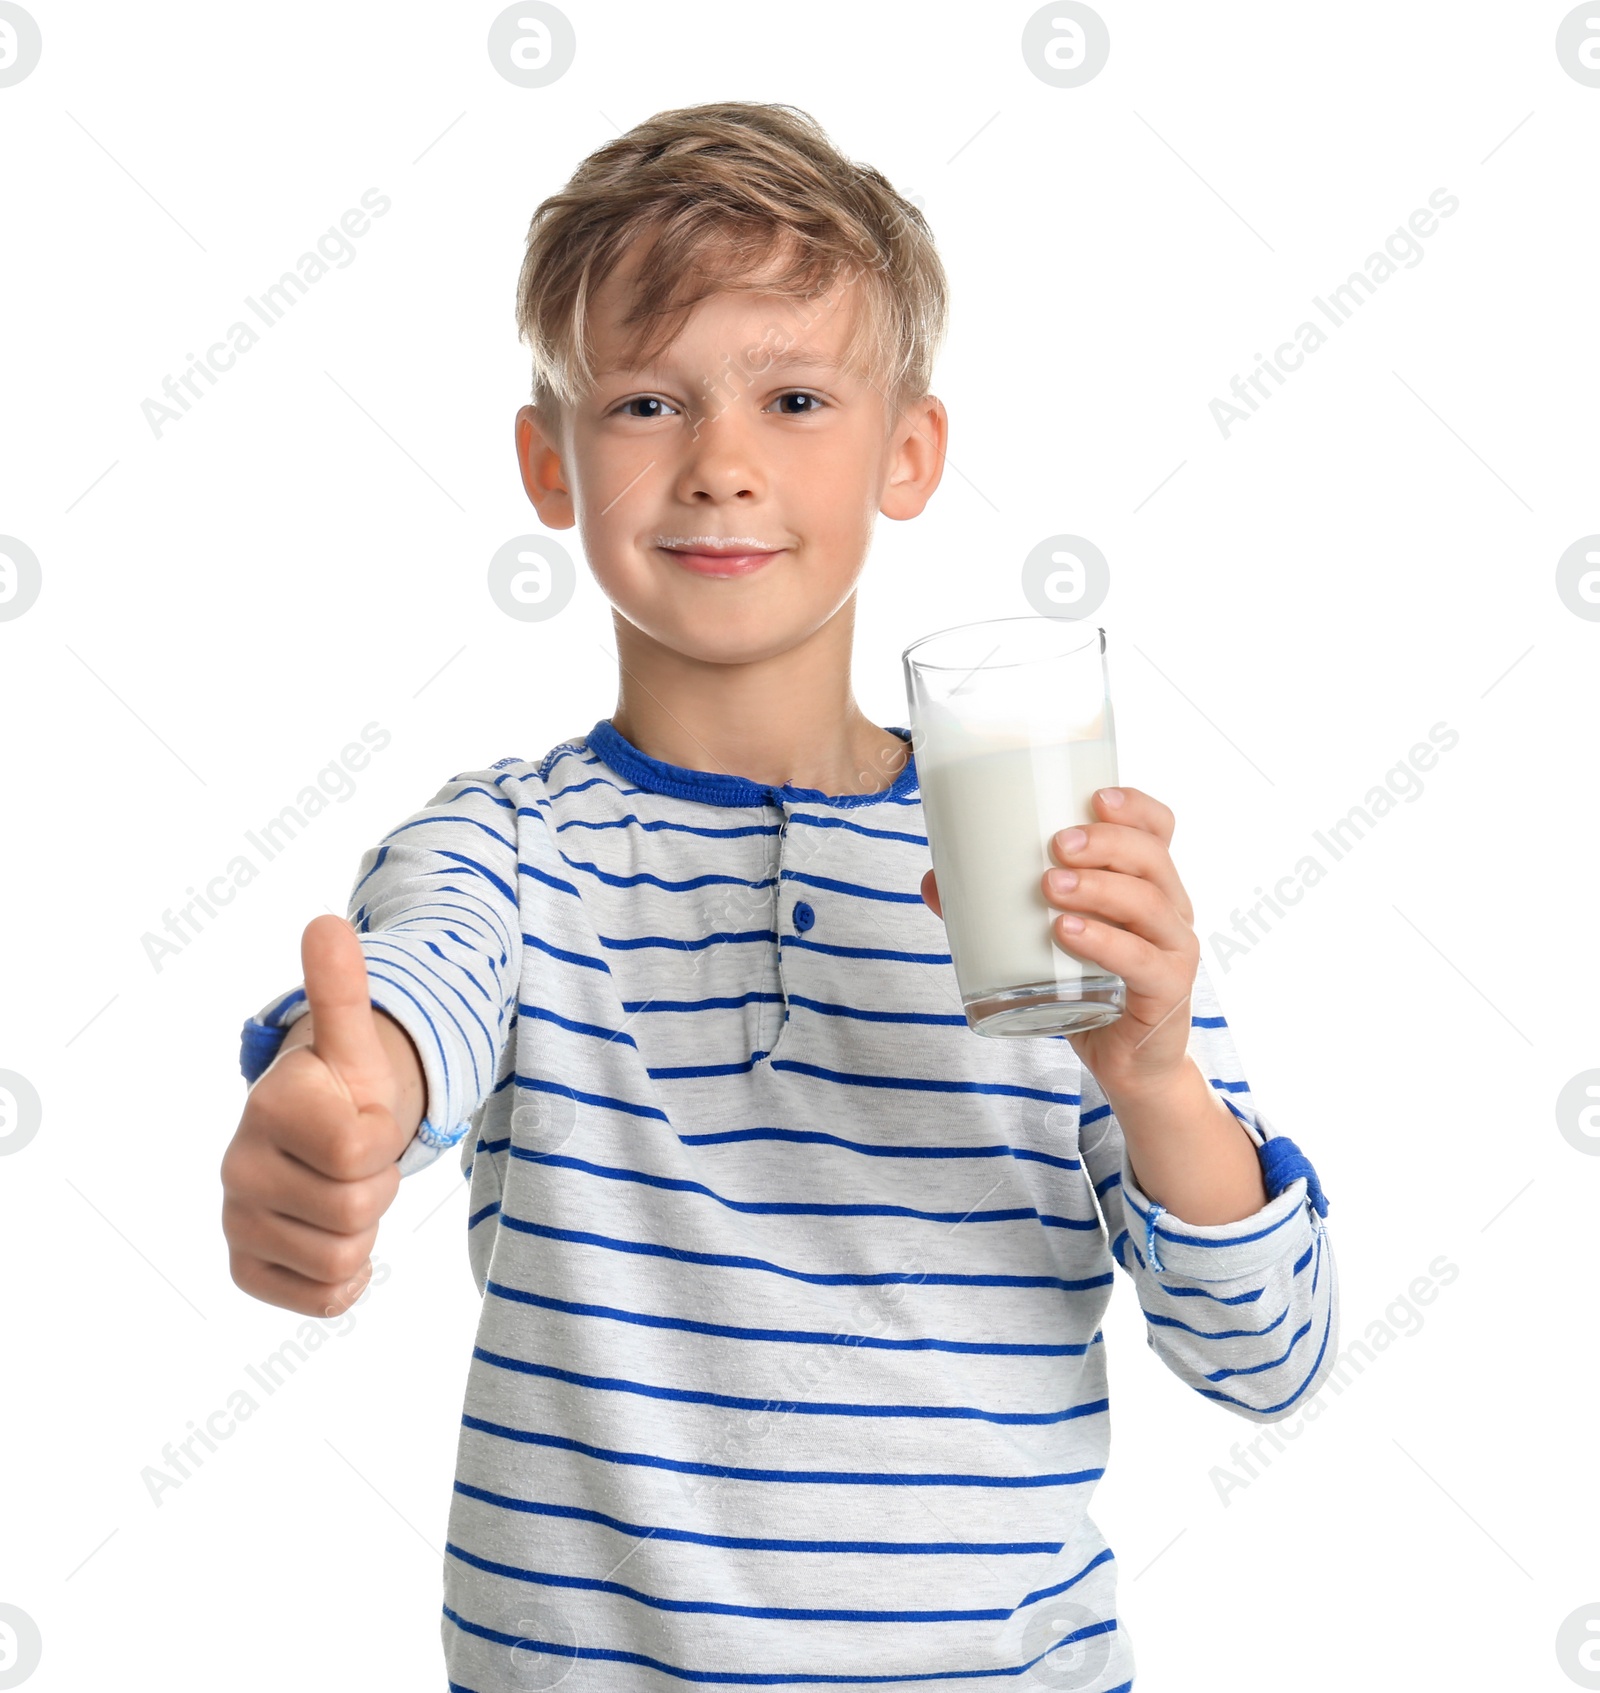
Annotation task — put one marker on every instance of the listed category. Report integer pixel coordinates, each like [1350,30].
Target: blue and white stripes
[790,1369]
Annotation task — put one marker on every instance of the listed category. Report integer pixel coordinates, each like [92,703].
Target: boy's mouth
[718,555]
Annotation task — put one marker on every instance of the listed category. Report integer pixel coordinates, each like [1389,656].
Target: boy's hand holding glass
[1121,906]
[1124,908]
[1066,915]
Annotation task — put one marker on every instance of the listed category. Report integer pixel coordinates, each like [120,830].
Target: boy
[789,1370]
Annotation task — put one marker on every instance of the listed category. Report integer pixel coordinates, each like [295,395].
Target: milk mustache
[993,797]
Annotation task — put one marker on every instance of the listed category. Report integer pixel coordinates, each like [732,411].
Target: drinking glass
[1012,733]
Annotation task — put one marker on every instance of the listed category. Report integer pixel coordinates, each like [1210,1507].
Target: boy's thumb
[344,1031]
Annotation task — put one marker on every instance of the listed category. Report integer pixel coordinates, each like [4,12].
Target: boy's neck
[788,719]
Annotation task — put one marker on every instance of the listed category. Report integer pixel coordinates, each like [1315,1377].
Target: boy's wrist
[1187,1151]
[410,1084]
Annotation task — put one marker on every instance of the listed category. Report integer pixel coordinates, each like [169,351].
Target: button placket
[778,919]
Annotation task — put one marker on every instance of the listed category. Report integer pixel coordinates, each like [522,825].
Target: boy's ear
[916,460]
[539,457]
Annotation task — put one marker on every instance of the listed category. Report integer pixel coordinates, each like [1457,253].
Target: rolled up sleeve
[1244,1312]
[436,910]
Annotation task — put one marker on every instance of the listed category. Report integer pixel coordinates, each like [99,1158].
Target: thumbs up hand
[312,1166]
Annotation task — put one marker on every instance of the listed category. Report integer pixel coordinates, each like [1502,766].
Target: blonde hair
[734,195]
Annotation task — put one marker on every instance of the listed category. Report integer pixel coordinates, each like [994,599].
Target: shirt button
[804,916]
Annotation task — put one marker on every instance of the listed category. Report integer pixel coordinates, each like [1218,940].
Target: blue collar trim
[713,788]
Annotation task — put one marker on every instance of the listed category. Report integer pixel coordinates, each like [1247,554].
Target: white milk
[990,816]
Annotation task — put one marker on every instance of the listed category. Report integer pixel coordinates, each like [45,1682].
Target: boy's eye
[661,408]
[650,406]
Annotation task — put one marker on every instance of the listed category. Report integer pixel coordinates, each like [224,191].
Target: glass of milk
[1011,731]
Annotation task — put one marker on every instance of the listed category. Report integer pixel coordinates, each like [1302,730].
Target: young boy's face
[726,489]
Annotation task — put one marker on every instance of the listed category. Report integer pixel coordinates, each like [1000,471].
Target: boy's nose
[722,459]
[718,473]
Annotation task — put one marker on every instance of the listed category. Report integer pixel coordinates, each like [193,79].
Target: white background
[1375,552]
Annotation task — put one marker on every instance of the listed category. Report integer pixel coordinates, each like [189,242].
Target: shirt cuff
[1208,1252]
[262,1038]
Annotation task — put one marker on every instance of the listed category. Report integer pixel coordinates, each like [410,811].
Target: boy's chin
[727,635]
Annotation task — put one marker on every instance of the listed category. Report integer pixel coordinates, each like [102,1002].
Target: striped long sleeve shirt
[789,1370]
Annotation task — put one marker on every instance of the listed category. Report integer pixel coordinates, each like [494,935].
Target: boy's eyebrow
[760,364]
[806,356]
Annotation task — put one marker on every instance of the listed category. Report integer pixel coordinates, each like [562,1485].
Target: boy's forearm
[410,1086]
[1189,1153]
